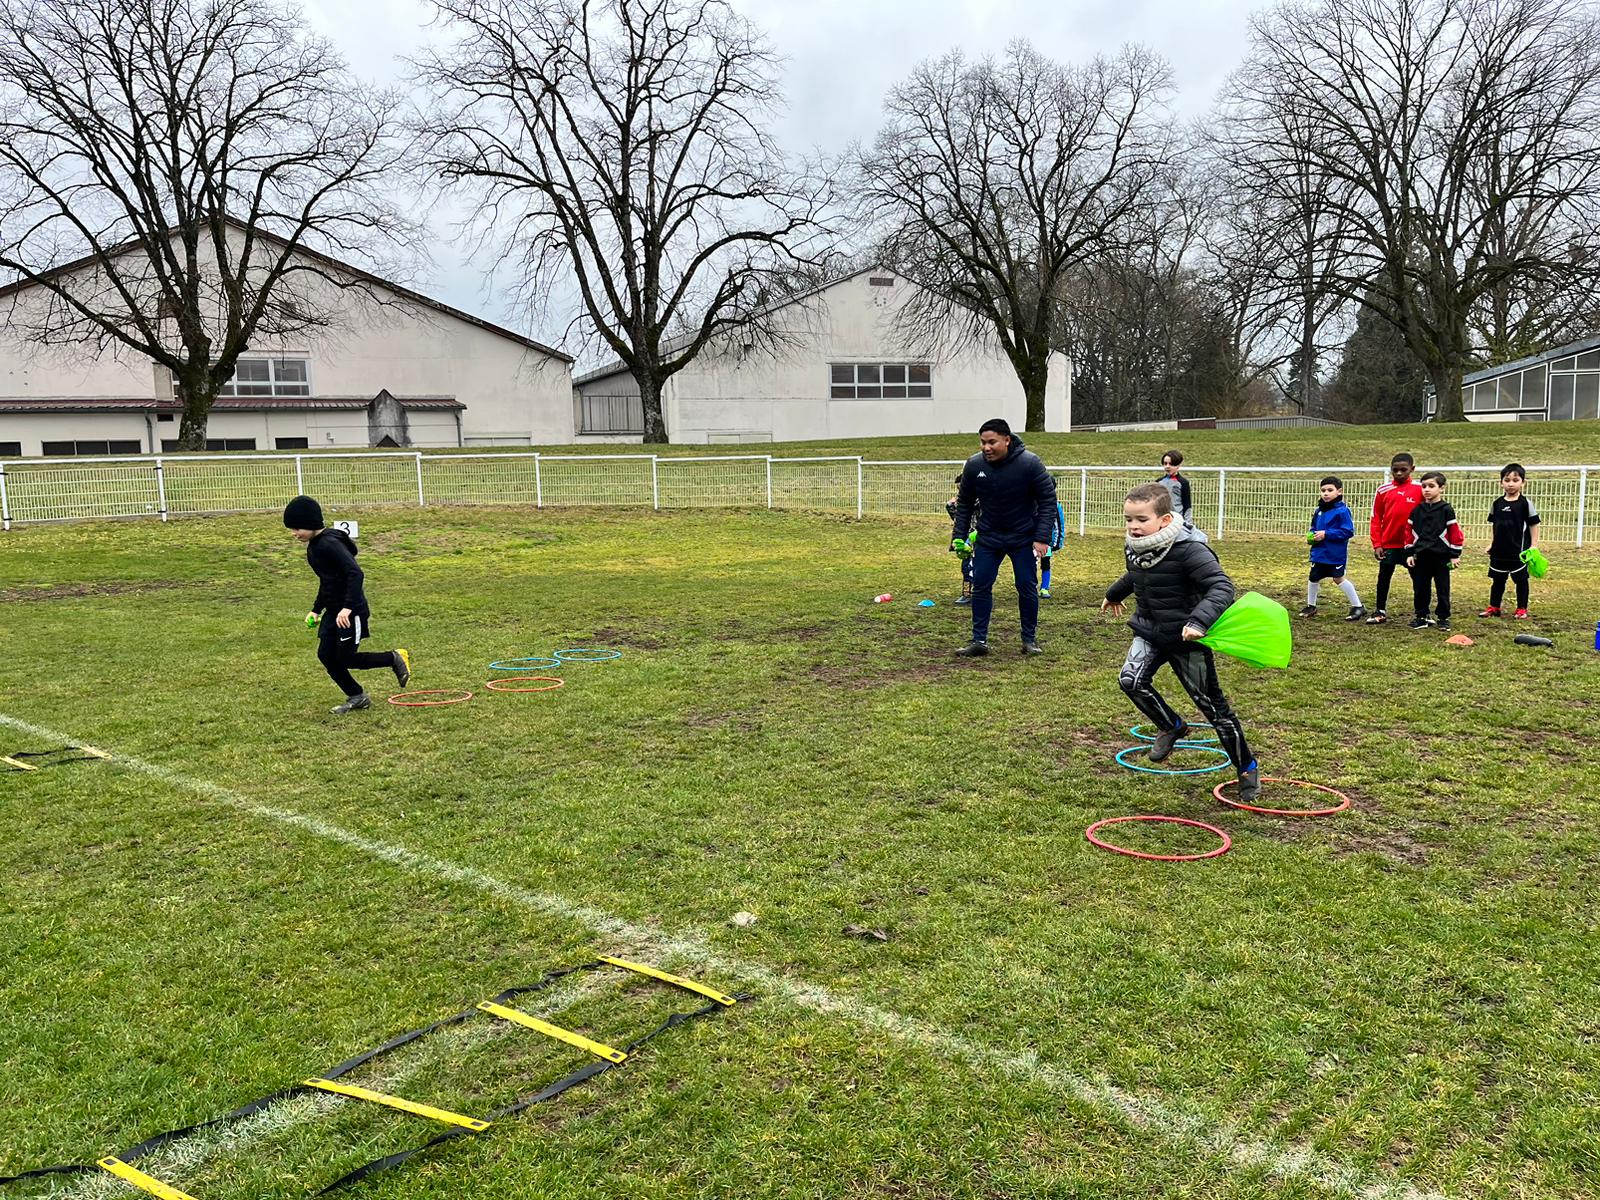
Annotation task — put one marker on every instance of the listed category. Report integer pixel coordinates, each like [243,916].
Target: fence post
[5,501]
[1583,496]
[655,482]
[161,489]
[1083,500]
[538,483]
[420,499]
[769,481]
[299,478]
[1222,494]
[860,491]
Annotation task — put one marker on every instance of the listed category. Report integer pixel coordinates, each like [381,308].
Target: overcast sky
[842,56]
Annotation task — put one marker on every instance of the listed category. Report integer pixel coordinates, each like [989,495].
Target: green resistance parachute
[1538,564]
[1253,629]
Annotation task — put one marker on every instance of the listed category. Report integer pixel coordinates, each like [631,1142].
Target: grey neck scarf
[1146,552]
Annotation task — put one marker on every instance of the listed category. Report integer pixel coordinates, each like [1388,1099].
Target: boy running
[1181,589]
[332,556]
[1389,531]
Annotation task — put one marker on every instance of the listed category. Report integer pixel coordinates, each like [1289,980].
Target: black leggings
[337,650]
[1196,669]
[1497,585]
[1386,565]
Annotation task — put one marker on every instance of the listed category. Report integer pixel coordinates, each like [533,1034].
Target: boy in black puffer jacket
[1181,589]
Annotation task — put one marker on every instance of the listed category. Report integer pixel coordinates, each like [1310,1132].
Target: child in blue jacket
[1332,527]
[1058,536]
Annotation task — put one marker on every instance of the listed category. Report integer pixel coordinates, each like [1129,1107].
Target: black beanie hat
[996,424]
[302,513]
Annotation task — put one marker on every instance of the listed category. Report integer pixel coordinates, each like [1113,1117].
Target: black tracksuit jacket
[1015,497]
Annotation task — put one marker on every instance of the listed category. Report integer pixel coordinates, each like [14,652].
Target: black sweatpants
[1497,583]
[1196,669]
[1431,574]
[1386,565]
[339,651]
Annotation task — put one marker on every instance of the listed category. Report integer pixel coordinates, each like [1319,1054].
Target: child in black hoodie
[332,556]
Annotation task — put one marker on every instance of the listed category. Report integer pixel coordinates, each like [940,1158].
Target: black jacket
[1187,587]
[1015,498]
[332,556]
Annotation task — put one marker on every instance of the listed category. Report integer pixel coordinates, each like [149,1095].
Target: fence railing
[1227,500]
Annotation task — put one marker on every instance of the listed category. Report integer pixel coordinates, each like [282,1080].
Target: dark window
[10,449]
[886,381]
[128,446]
[61,447]
[167,417]
[230,443]
[880,281]
[131,446]
[291,443]
[169,445]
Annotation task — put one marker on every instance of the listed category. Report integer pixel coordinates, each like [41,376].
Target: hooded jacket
[332,556]
[1337,526]
[1187,587]
[1016,498]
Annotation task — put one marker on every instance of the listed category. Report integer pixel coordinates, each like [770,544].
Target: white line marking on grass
[1147,1114]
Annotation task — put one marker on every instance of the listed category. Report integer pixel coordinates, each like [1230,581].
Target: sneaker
[1378,618]
[1165,741]
[402,666]
[973,650]
[1492,611]
[1044,593]
[964,600]
[1520,615]
[1309,610]
[1357,613]
[1032,648]
[1442,624]
[1250,784]
[1419,622]
[359,701]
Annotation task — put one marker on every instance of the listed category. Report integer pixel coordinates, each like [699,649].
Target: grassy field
[1400,1001]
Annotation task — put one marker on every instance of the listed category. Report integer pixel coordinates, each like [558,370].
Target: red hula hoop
[400,698]
[499,685]
[1227,842]
[1344,800]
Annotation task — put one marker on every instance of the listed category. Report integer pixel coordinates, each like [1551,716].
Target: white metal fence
[1227,500]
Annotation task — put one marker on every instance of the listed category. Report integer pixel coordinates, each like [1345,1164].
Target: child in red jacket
[1390,530]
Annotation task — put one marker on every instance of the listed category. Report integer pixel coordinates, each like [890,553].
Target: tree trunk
[197,394]
[655,422]
[1447,388]
[1035,380]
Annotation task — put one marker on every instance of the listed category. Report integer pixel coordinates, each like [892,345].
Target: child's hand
[1377,554]
[1193,633]
[1114,607]
[343,619]
[312,619]
[1411,562]
[1319,535]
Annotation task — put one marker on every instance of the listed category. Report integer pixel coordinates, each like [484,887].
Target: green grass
[1406,991]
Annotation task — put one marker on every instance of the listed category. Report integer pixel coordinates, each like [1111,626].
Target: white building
[845,371]
[404,370]
[1559,385]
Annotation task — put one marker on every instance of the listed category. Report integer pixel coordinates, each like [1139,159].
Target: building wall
[733,394]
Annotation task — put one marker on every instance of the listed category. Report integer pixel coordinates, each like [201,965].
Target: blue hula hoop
[524,664]
[1226,761]
[1188,741]
[586,654]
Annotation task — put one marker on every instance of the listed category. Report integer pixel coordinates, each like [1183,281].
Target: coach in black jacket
[1017,510]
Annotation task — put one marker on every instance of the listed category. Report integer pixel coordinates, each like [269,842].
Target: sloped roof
[147,404]
[1589,343]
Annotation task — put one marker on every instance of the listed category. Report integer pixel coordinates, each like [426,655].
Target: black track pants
[338,651]
[1386,565]
[1497,584]
[1431,575]
[1196,669]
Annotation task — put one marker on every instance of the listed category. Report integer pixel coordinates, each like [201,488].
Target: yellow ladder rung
[396,1102]
[21,766]
[600,1049]
[710,993]
[145,1183]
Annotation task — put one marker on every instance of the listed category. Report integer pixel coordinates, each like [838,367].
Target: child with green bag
[1181,589]
[1515,523]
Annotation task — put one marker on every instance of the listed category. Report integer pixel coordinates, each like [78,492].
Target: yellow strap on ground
[710,993]
[554,1031]
[406,1106]
[21,766]
[92,752]
[145,1183]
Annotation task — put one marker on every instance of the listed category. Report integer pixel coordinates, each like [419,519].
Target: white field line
[174,1161]
[1148,1114]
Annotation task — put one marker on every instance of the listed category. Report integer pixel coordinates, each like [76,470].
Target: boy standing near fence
[965,555]
[332,557]
[1389,530]
[1435,547]
[1332,527]
[1515,524]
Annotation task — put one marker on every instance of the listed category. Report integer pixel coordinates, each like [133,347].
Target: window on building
[10,449]
[114,446]
[269,377]
[166,418]
[880,381]
[291,443]
[170,445]
[1561,395]
[1586,395]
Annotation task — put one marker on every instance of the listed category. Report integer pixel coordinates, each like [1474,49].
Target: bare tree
[621,146]
[1436,121]
[996,180]
[163,163]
